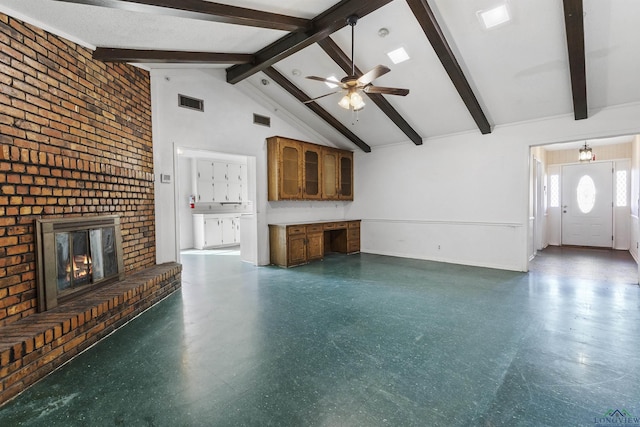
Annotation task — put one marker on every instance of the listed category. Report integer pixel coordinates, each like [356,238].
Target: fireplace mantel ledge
[32,347]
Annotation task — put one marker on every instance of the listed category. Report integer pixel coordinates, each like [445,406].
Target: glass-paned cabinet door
[291,173]
[311,187]
[329,174]
[346,177]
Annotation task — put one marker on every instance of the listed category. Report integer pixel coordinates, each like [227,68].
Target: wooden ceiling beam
[287,85]
[574,25]
[108,54]
[206,11]
[432,30]
[341,58]
[322,26]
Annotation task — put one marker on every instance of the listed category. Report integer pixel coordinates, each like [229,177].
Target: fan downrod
[352,21]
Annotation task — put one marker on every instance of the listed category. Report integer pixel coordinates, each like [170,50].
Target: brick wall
[75,140]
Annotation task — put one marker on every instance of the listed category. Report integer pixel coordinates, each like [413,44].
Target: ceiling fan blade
[373,74]
[386,90]
[331,82]
[321,96]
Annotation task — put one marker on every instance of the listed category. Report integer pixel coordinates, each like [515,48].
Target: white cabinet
[228,232]
[236,229]
[236,175]
[220,182]
[220,185]
[211,231]
[204,181]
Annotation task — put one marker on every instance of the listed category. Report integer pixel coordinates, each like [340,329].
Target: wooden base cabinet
[296,240]
[296,244]
[315,242]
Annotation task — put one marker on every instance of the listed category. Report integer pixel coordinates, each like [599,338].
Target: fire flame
[81,266]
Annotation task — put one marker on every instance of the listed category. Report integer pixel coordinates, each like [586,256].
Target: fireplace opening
[76,255]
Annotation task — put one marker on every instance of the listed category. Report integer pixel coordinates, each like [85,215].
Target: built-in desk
[299,243]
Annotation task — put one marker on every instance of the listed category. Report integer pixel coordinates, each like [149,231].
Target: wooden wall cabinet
[296,244]
[299,170]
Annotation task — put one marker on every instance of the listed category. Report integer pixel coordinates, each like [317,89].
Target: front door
[587,204]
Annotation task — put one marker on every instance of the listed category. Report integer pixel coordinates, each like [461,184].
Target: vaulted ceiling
[553,57]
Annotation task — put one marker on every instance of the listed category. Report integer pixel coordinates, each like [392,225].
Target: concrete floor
[362,340]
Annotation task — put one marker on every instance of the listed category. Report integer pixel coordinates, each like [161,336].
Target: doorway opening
[215,211]
[592,204]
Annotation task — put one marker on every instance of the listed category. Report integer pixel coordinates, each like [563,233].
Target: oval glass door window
[586,194]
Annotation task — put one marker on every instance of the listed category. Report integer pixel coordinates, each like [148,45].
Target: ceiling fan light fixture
[356,101]
[352,85]
[345,102]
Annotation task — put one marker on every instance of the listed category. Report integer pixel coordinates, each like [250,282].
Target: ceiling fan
[352,85]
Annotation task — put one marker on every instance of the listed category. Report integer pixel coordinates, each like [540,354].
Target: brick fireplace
[75,256]
[75,145]
[75,142]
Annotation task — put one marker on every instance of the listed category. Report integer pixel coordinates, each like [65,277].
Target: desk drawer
[295,229]
[314,228]
[354,234]
[335,225]
[353,246]
[354,224]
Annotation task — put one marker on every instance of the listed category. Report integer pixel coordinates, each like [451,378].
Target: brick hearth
[33,347]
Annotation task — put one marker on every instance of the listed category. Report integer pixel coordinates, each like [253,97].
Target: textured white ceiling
[519,71]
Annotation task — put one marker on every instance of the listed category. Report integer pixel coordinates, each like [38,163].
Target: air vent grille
[191,103]
[262,120]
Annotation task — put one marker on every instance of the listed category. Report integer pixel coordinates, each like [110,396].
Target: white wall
[554,213]
[185,189]
[462,198]
[225,126]
[622,214]
[635,197]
